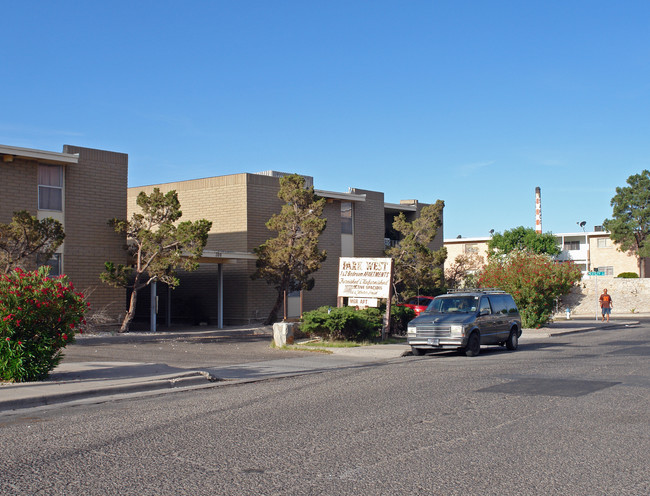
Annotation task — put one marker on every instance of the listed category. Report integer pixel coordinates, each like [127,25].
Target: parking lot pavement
[102,367]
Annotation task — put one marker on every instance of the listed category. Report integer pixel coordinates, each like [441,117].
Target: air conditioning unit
[598,228]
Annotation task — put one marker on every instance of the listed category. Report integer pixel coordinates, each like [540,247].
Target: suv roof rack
[475,290]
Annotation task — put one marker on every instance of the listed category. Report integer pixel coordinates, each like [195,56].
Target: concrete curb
[72,392]
[548,332]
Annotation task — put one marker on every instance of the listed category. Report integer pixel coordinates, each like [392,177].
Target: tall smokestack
[538,210]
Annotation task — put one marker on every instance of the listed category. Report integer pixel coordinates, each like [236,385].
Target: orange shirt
[605,301]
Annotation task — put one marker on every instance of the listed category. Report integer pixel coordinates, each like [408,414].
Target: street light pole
[587,261]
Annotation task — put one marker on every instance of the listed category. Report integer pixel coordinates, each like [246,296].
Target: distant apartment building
[82,188]
[592,251]
[359,224]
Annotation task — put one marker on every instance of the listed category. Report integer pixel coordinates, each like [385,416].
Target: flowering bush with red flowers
[39,316]
[534,281]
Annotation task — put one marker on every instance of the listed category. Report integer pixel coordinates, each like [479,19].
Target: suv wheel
[418,351]
[473,347]
[513,340]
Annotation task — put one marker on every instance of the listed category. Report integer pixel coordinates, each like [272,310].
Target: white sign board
[363,302]
[364,277]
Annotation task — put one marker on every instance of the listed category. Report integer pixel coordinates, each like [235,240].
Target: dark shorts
[607,311]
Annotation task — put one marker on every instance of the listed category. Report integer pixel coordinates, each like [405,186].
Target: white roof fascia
[557,235]
[62,158]
[582,234]
[401,206]
[236,255]
[482,239]
[340,196]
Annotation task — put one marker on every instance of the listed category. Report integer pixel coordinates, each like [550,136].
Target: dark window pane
[346,218]
[50,198]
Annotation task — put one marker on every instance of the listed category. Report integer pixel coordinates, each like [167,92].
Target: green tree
[25,237]
[156,245]
[535,281]
[418,269]
[522,238]
[630,224]
[288,260]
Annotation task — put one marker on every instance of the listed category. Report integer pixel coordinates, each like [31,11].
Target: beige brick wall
[611,256]
[458,247]
[95,191]
[19,182]
[239,206]
[369,225]
[261,203]
[221,200]
[326,279]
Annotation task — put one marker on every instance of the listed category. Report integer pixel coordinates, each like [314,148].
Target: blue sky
[472,102]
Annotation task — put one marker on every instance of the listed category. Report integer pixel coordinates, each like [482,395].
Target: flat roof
[340,196]
[42,155]
[406,207]
[223,256]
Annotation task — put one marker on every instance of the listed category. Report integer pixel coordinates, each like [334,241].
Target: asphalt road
[189,350]
[562,416]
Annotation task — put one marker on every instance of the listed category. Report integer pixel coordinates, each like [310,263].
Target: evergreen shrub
[353,325]
[628,275]
[342,323]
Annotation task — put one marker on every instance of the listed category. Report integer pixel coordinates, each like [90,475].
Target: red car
[417,303]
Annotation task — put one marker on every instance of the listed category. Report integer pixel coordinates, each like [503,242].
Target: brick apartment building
[81,188]
[592,251]
[239,205]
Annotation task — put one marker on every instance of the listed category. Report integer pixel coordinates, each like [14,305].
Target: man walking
[605,304]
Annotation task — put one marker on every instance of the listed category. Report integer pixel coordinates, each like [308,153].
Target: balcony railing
[575,255]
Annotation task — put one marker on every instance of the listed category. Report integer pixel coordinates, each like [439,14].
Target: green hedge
[353,325]
[628,275]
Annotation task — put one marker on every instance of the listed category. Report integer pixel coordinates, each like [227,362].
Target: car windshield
[457,304]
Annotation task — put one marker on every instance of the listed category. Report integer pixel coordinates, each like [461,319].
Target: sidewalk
[98,367]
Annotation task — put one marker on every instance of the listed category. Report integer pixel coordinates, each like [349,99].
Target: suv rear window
[498,305]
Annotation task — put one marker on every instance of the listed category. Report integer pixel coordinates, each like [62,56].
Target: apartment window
[608,270]
[54,263]
[346,217]
[601,242]
[50,187]
[571,245]
[471,248]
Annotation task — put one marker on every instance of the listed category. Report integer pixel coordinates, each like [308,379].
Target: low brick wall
[628,295]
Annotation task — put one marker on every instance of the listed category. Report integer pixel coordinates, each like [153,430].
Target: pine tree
[156,245]
[25,237]
[418,268]
[288,260]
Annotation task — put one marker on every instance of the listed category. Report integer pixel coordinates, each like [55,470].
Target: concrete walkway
[97,368]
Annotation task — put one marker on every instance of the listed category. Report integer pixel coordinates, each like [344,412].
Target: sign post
[596,274]
[366,278]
